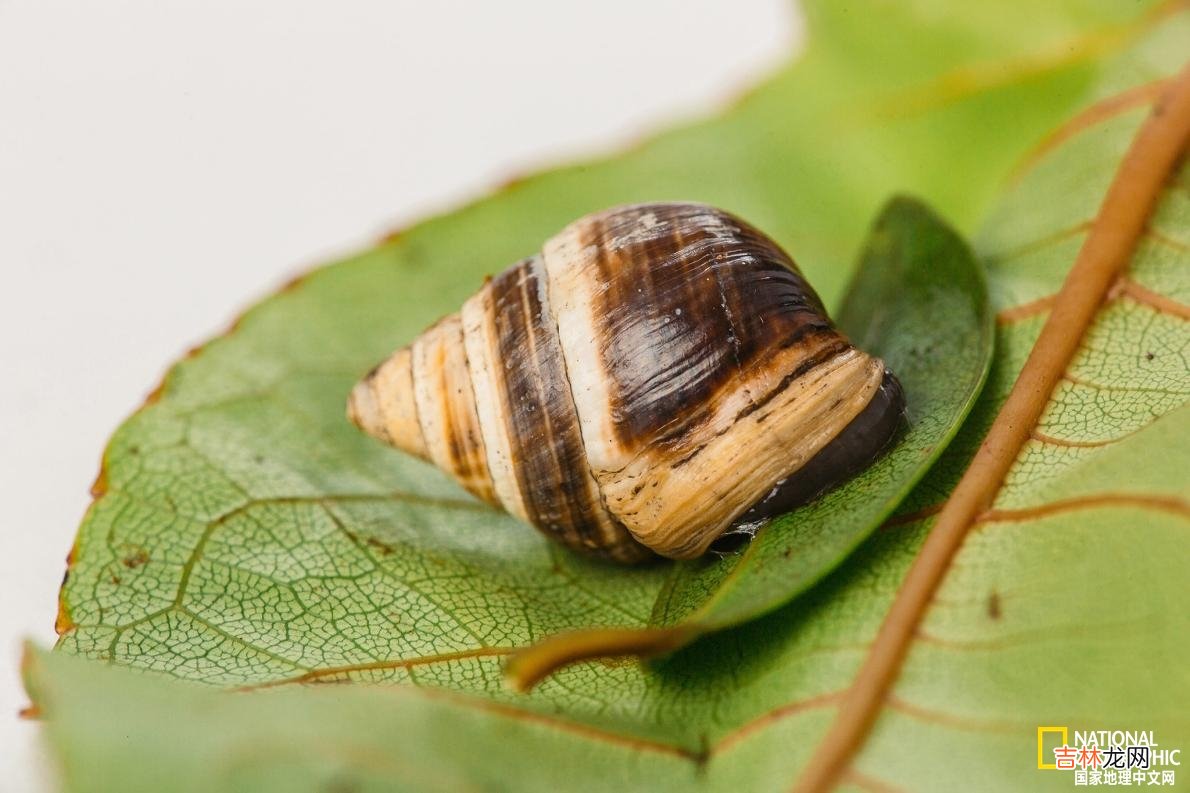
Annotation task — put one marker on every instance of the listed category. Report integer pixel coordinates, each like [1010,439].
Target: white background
[162,164]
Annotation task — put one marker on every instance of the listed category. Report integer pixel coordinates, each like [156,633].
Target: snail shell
[658,374]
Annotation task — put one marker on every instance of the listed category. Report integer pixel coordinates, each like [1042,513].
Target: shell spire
[382,405]
[658,375]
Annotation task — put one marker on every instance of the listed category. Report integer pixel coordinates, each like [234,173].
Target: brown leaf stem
[529,666]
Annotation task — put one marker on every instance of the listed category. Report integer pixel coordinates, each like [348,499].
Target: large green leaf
[1038,622]
[248,434]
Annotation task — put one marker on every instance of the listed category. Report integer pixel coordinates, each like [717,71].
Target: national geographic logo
[1108,757]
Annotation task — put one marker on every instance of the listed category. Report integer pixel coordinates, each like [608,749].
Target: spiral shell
[658,374]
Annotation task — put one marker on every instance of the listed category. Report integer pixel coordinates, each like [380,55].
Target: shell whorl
[656,373]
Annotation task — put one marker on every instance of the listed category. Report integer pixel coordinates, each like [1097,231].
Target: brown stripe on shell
[446,408]
[817,349]
[482,345]
[560,496]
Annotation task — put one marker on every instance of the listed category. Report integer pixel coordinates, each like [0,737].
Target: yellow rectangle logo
[1041,731]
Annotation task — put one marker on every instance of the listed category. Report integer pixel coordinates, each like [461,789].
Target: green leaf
[1040,620]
